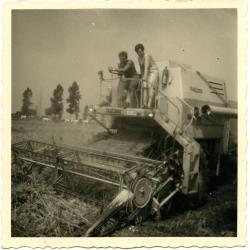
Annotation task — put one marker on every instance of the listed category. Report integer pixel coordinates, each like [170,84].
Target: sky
[62,46]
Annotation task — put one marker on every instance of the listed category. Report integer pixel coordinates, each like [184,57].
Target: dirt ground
[216,217]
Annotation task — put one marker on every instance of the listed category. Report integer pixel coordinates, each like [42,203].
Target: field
[39,210]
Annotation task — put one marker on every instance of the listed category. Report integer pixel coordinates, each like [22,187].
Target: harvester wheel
[202,177]
[202,181]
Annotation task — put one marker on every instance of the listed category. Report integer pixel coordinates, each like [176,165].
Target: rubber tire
[203,176]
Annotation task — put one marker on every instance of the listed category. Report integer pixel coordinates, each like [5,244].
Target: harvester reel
[142,192]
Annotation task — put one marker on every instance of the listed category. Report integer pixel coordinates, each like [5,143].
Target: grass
[70,133]
[217,217]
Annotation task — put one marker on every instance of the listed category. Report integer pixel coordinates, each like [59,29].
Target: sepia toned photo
[124,123]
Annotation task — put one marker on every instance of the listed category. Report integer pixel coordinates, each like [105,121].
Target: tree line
[56,102]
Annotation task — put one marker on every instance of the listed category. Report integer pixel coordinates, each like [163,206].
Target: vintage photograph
[124,122]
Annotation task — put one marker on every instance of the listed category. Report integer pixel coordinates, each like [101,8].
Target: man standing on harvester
[150,76]
[129,80]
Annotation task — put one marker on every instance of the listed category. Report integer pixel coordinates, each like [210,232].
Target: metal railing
[124,79]
[191,112]
[174,105]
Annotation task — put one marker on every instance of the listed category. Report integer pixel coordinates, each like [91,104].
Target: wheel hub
[142,192]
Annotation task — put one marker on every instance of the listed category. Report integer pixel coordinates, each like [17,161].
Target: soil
[40,210]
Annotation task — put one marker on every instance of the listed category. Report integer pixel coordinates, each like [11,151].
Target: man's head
[139,49]
[123,56]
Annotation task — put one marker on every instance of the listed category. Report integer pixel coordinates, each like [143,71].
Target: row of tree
[56,107]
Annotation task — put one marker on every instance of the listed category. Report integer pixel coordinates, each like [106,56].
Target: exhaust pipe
[219,111]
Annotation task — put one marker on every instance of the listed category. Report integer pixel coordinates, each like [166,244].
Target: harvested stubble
[37,210]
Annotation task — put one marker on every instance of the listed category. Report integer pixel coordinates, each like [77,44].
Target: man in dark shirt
[126,69]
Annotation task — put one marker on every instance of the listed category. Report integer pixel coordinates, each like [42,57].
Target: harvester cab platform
[188,101]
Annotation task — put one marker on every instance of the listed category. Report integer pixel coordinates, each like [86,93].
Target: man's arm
[113,71]
[145,76]
[141,68]
[125,68]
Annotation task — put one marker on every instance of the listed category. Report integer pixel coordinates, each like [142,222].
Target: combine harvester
[187,132]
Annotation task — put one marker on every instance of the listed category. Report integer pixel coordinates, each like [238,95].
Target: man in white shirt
[150,75]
